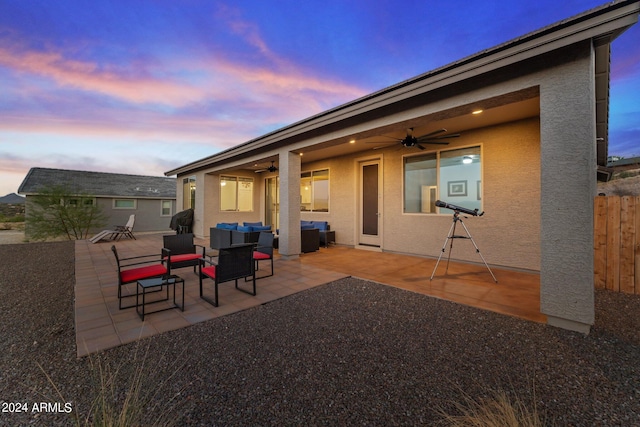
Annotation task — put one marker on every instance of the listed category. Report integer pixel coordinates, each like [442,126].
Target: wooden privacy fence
[616,243]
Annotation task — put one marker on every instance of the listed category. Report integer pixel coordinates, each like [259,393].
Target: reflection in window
[236,194]
[452,175]
[314,191]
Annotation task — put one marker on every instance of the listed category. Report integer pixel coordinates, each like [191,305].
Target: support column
[568,181]
[289,240]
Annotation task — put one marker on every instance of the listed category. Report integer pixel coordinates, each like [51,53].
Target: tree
[58,211]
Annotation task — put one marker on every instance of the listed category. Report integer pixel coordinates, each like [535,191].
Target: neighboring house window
[236,193]
[80,202]
[189,193]
[166,208]
[453,176]
[314,191]
[124,203]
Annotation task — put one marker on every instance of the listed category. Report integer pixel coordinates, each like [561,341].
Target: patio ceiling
[507,108]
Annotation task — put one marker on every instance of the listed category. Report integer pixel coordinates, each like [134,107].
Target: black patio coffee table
[146,286]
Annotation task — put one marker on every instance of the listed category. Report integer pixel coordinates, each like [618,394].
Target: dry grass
[497,410]
[125,394]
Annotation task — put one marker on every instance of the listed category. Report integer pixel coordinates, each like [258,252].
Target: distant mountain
[12,199]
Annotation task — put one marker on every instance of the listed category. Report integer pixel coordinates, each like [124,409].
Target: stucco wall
[568,151]
[508,234]
[148,214]
[342,198]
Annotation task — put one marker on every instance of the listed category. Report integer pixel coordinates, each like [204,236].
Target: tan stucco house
[532,118]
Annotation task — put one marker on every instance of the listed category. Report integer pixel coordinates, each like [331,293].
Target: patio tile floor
[101,325]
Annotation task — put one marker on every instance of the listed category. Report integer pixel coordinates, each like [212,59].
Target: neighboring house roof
[602,25]
[629,163]
[99,184]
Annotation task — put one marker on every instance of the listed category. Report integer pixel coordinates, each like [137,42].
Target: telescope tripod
[452,235]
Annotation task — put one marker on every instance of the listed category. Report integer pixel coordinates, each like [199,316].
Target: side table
[143,288]
[326,237]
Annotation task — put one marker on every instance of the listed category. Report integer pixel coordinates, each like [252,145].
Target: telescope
[458,209]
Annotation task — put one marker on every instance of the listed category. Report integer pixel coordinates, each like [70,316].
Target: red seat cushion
[185,257]
[135,274]
[260,255]
[210,271]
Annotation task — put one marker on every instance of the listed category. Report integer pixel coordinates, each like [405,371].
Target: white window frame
[162,202]
[114,204]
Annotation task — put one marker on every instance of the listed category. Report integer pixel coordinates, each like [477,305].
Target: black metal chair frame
[182,244]
[139,263]
[264,246]
[234,263]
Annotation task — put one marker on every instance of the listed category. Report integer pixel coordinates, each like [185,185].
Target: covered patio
[101,325]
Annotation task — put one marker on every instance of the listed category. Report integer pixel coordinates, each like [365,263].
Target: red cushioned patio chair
[264,251]
[184,253]
[132,269]
[234,263]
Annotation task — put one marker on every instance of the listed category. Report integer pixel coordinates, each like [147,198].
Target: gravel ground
[350,352]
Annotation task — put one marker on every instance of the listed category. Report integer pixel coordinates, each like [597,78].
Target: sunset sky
[143,87]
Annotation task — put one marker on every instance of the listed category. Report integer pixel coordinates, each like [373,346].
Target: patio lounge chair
[126,230]
[132,269]
[117,232]
[234,263]
[183,251]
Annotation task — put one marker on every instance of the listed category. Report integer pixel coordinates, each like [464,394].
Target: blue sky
[146,86]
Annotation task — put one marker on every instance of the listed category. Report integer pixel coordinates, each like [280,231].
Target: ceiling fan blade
[437,139]
[433,142]
[383,142]
[453,135]
[435,132]
[383,146]
[420,146]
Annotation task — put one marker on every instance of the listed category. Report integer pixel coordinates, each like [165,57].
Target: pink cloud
[89,77]
[139,125]
[225,81]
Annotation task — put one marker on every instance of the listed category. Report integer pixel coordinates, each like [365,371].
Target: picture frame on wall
[457,188]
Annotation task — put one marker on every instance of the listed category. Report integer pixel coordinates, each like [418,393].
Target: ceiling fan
[271,168]
[430,138]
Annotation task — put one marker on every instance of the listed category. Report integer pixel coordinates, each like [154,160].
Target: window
[189,193]
[236,193]
[80,202]
[314,191]
[166,206]
[452,175]
[124,204]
